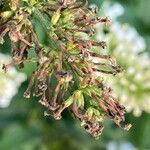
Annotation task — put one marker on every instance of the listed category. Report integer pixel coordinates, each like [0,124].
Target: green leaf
[97,2]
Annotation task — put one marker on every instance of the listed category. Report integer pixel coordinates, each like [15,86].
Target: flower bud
[56,16]
[78,99]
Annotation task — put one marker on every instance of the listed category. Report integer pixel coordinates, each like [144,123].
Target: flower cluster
[127,46]
[66,74]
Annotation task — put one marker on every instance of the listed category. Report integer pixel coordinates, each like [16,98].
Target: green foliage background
[23,126]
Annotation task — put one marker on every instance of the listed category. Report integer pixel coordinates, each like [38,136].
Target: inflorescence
[66,75]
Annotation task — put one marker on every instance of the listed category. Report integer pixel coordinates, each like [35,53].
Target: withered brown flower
[65,75]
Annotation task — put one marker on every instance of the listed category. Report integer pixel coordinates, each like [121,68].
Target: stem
[28,91]
[103,71]
[53,102]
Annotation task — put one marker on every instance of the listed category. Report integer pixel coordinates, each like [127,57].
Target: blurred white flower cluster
[9,81]
[125,145]
[127,46]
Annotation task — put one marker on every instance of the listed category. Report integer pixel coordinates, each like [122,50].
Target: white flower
[114,11]
[121,146]
[10,81]
[133,86]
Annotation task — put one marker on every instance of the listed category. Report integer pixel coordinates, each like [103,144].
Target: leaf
[97,2]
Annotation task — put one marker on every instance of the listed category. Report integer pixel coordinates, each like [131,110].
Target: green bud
[68,102]
[1,40]
[14,4]
[92,90]
[82,123]
[78,99]
[6,14]
[55,17]
[89,112]
[96,91]
[93,102]
[94,113]
[87,91]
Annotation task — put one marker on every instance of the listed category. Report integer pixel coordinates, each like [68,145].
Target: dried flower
[124,41]
[65,75]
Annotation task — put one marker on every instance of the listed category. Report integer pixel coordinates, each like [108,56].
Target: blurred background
[22,124]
